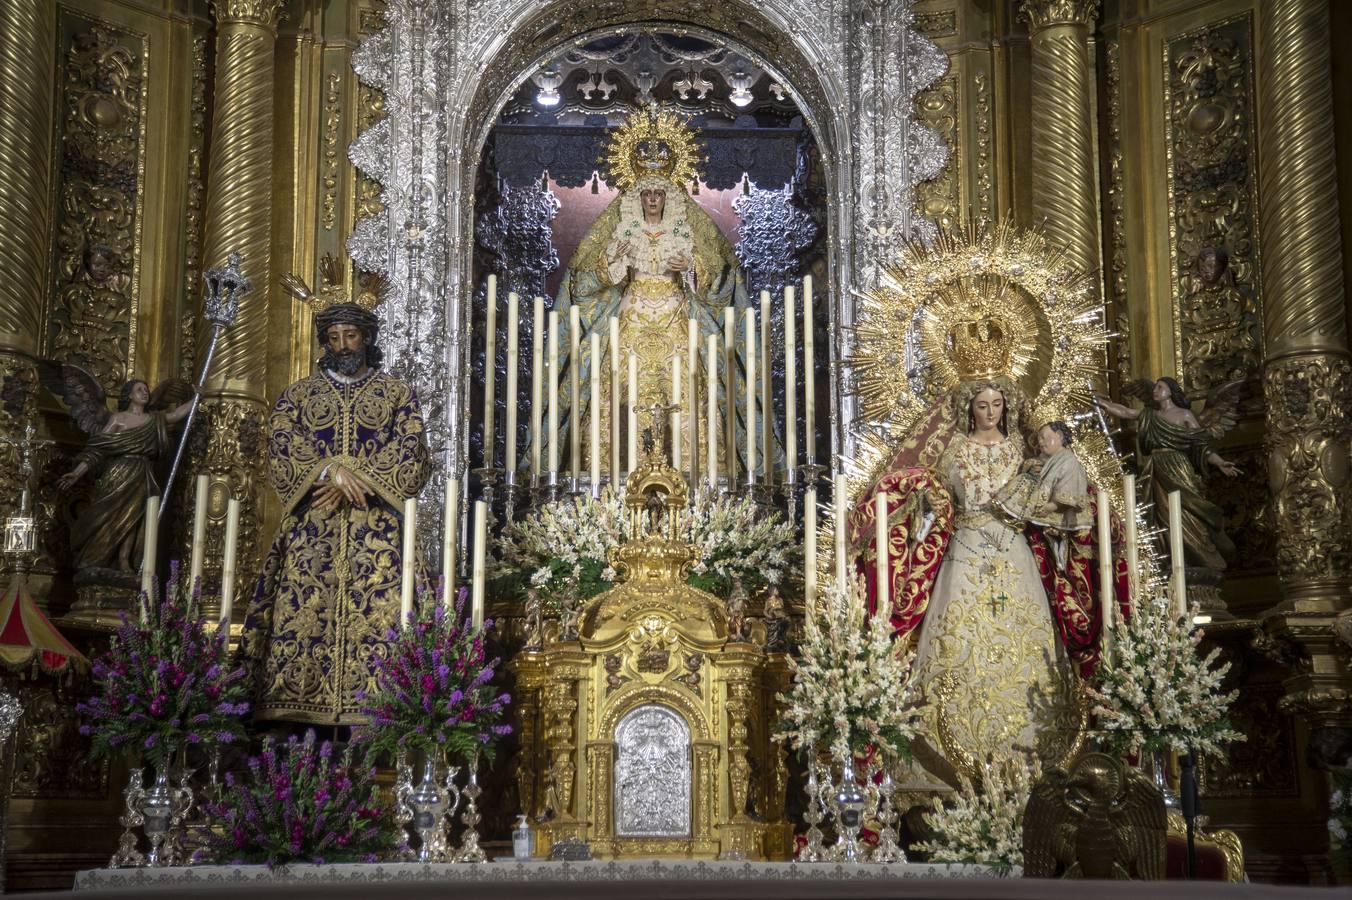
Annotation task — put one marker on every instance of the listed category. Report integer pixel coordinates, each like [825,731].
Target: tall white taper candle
[730,394]
[228,561]
[616,428]
[490,367]
[553,395]
[574,392]
[537,388]
[1133,549]
[712,431]
[883,560]
[632,388]
[594,415]
[767,410]
[1105,555]
[750,415]
[676,413]
[150,538]
[809,374]
[450,542]
[1178,582]
[513,364]
[790,382]
[199,531]
[476,608]
[692,400]
[810,558]
[839,503]
[407,554]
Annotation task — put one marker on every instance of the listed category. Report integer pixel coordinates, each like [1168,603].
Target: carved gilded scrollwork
[937,107]
[982,163]
[1046,13]
[54,763]
[193,213]
[1119,353]
[103,96]
[1213,204]
[1309,428]
[1265,764]
[333,121]
[249,12]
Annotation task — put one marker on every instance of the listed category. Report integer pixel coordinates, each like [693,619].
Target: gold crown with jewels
[655,140]
[981,347]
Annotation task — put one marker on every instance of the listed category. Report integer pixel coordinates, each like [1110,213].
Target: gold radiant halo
[633,149]
[332,291]
[1048,332]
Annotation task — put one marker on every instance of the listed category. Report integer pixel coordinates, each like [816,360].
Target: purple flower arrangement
[298,802]
[433,692]
[164,683]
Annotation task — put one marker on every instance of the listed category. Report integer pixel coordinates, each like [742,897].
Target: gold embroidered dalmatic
[329,591]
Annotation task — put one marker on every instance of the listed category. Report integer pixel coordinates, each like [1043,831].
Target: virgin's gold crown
[981,348]
[654,141]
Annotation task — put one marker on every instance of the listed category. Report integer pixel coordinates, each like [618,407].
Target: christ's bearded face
[344,350]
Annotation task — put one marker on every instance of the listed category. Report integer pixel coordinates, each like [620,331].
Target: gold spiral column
[239,219]
[27,83]
[1308,376]
[1063,148]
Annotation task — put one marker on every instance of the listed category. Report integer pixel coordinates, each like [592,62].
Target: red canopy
[25,633]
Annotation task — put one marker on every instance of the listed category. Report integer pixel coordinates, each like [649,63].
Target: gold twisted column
[27,80]
[239,219]
[1308,377]
[1063,148]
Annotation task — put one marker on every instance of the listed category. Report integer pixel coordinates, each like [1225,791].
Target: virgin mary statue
[655,260]
[1001,602]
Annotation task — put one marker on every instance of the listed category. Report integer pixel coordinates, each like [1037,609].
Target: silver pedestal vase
[813,851]
[849,815]
[158,803]
[470,851]
[1156,766]
[423,807]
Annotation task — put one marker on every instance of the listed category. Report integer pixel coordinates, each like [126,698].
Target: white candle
[537,387]
[594,415]
[692,401]
[574,392]
[790,382]
[450,542]
[767,410]
[632,388]
[228,561]
[1178,583]
[490,366]
[840,529]
[711,415]
[615,403]
[730,394]
[513,363]
[150,537]
[1105,554]
[407,554]
[676,413]
[1133,551]
[480,549]
[883,572]
[750,415]
[553,395]
[199,533]
[810,558]
[809,374]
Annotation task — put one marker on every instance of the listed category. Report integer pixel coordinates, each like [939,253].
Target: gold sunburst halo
[655,140]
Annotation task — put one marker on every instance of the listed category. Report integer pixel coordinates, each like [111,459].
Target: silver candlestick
[470,851]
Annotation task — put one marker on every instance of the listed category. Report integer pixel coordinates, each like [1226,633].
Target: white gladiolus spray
[983,823]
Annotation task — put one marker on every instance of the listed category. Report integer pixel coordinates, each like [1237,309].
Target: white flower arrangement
[1154,691]
[984,825]
[563,548]
[852,683]
[1340,821]
[738,541]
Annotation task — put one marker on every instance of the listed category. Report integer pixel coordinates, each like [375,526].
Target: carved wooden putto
[649,734]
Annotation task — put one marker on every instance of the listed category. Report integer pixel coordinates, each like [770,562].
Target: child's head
[1054,437]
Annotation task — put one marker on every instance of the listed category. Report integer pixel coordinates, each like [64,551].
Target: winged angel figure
[1100,819]
[1173,452]
[124,450]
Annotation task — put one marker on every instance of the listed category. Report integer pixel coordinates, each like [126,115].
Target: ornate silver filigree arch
[446,67]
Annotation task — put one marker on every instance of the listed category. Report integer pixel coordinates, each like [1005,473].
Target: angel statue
[1174,453]
[124,451]
[1000,599]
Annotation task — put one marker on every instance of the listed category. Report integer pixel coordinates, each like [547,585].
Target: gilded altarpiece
[1212,178]
[99,196]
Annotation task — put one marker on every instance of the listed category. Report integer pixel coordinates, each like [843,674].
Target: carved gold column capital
[1041,14]
[263,13]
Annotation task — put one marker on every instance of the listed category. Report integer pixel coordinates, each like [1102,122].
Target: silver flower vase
[423,807]
[849,815]
[470,851]
[813,851]
[157,808]
[1156,765]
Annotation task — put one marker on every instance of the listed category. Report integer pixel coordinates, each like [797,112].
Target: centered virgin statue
[992,480]
[655,261]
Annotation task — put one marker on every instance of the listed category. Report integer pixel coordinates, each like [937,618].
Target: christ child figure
[1052,490]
